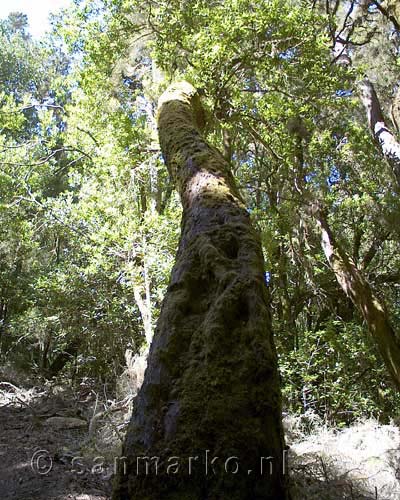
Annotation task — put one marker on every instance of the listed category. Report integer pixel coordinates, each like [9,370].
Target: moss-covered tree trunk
[361,294]
[208,416]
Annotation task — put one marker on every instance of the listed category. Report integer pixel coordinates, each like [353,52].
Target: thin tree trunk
[391,12]
[383,136]
[45,351]
[144,304]
[3,318]
[387,142]
[359,291]
[211,388]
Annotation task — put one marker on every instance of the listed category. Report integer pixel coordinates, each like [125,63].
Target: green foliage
[336,373]
[85,205]
[90,224]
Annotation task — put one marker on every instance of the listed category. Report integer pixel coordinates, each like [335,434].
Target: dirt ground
[48,445]
[59,443]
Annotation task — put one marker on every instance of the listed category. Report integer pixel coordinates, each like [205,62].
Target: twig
[325,471]
[94,418]
[11,385]
[114,426]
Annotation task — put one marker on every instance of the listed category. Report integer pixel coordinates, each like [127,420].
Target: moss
[212,382]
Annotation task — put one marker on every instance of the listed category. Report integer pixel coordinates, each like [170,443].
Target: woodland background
[90,220]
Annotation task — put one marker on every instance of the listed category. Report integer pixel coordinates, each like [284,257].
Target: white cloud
[36,10]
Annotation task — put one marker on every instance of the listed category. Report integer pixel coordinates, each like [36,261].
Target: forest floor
[49,442]
[61,443]
[359,462]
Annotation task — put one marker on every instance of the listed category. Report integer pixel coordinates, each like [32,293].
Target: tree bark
[211,388]
[3,318]
[144,304]
[357,288]
[383,136]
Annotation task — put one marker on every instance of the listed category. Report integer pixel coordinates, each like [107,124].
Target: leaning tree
[208,416]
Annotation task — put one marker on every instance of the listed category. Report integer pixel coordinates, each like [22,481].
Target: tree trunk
[383,136]
[211,388]
[3,318]
[391,10]
[386,140]
[144,304]
[359,291]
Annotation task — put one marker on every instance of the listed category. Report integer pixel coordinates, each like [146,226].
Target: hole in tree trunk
[200,291]
[242,311]
[230,247]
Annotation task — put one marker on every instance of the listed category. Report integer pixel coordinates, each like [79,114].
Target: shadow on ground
[41,437]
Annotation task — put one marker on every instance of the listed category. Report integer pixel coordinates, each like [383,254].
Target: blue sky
[37,11]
